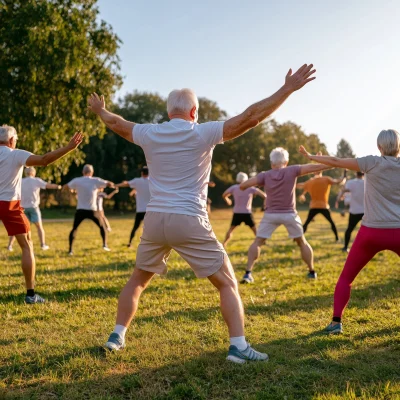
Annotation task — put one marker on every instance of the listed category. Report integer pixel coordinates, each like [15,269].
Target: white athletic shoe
[10,248]
[45,247]
[70,253]
[105,248]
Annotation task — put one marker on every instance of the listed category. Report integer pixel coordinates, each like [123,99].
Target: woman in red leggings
[380,229]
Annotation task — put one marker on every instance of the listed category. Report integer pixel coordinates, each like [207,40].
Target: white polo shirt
[30,191]
[87,188]
[142,192]
[12,162]
[356,188]
[179,155]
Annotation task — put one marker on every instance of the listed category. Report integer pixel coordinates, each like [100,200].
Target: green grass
[177,345]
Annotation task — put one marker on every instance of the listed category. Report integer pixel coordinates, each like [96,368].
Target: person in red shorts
[12,162]
[380,227]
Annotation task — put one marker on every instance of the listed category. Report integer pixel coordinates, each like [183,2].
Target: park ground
[177,345]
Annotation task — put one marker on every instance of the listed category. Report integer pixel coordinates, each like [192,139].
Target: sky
[238,52]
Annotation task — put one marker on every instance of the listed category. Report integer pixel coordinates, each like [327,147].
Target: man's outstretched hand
[302,150]
[301,77]
[96,103]
[75,141]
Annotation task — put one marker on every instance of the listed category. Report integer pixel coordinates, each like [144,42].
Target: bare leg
[231,304]
[254,229]
[41,234]
[306,252]
[28,259]
[254,252]
[228,235]
[106,223]
[11,241]
[129,297]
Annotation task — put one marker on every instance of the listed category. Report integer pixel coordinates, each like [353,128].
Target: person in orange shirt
[319,188]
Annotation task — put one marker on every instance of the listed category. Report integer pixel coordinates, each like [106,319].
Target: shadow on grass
[299,368]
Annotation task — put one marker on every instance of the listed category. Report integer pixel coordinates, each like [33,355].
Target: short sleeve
[20,157]
[100,183]
[72,184]
[296,169]
[330,180]
[348,185]
[367,163]
[41,183]
[212,132]
[139,132]
[132,183]
[102,194]
[260,179]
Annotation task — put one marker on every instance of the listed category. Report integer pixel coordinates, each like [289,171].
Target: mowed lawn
[177,345]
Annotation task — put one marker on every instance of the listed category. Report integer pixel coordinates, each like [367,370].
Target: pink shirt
[280,188]
[243,199]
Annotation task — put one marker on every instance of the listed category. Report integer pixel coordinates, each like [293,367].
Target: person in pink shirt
[243,200]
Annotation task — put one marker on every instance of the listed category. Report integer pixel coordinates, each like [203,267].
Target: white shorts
[271,222]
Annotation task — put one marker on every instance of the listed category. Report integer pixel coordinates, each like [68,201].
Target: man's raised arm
[116,123]
[258,112]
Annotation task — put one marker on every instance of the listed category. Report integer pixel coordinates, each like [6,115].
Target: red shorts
[13,217]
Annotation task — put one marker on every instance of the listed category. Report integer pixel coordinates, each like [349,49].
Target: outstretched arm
[226,198]
[112,194]
[311,168]
[132,193]
[53,186]
[258,112]
[55,155]
[260,193]
[122,184]
[348,163]
[249,183]
[115,122]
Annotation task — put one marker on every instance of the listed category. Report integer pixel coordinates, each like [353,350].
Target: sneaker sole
[112,347]
[238,360]
[246,281]
[334,332]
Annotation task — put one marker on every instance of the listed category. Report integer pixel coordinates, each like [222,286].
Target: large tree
[54,53]
[344,150]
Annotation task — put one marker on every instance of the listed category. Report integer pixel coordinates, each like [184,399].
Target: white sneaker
[70,253]
[45,247]
[10,248]
[105,248]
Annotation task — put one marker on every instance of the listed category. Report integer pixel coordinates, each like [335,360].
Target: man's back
[30,191]
[356,188]
[179,155]
[142,192]
[319,188]
[87,187]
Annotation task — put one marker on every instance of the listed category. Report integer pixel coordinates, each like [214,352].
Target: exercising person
[101,196]
[30,201]
[319,188]
[12,162]
[380,227]
[87,188]
[179,153]
[355,188]
[280,208]
[141,190]
[242,207]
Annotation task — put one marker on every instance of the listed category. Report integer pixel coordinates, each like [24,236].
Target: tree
[54,54]
[344,150]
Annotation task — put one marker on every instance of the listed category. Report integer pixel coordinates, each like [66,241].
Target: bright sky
[238,52]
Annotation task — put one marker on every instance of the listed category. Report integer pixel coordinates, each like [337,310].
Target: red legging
[368,242]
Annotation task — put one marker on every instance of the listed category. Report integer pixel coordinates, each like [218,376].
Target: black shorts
[246,218]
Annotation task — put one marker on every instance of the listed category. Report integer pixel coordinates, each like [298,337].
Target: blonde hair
[389,142]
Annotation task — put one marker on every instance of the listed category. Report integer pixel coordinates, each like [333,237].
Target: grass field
[177,345]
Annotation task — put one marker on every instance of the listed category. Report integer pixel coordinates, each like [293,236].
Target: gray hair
[87,168]
[6,133]
[241,177]
[182,101]
[279,156]
[30,171]
[389,142]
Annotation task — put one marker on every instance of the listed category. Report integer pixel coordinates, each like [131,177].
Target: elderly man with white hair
[179,154]
[30,201]
[242,211]
[280,187]
[12,161]
[87,188]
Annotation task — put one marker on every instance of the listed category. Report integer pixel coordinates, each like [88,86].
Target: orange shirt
[319,189]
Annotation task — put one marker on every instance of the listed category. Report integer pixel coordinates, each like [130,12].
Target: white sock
[121,330]
[239,342]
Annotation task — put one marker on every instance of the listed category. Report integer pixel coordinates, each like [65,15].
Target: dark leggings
[138,220]
[326,213]
[94,216]
[354,219]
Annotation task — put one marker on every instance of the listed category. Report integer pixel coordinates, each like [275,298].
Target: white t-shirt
[142,193]
[30,191]
[87,187]
[179,155]
[356,187]
[12,162]
[100,197]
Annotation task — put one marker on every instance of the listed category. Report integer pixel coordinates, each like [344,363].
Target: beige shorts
[191,237]
[271,222]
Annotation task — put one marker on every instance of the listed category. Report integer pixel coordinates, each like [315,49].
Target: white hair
[241,177]
[87,168]
[389,142]
[279,156]
[182,101]
[6,133]
[30,171]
